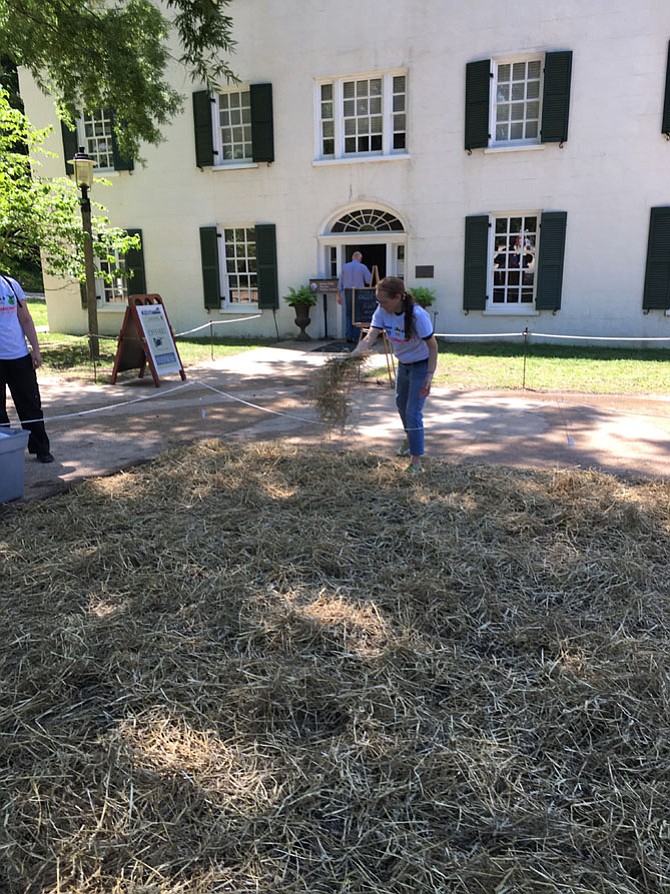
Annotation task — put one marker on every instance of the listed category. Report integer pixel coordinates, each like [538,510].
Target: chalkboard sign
[364,304]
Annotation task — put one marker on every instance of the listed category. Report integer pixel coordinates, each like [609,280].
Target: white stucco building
[511,157]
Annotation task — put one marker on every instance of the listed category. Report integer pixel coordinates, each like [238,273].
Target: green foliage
[90,54]
[301,295]
[30,277]
[43,213]
[423,295]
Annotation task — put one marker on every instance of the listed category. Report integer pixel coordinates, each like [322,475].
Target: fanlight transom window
[368,220]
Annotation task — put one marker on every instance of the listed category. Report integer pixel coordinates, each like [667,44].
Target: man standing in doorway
[354,275]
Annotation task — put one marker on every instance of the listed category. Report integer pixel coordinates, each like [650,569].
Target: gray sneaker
[403,450]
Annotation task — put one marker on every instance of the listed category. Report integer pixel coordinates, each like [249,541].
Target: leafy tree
[39,211]
[114,54]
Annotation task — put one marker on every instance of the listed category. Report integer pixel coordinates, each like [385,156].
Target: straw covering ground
[258,669]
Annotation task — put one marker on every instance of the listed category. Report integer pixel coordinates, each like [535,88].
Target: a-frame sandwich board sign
[146,337]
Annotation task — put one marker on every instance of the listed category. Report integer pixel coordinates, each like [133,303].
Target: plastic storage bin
[13,442]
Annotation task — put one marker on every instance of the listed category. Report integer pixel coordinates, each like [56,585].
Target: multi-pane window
[514,252]
[233,130]
[363,116]
[96,131]
[517,101]
[332,261]
[362,113]
[114,290]
[241,274]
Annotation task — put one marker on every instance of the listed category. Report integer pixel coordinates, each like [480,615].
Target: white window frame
[515,142]
[114,295]
[227,304]
[387,114]
[100,121]
[523,308]
[245,161]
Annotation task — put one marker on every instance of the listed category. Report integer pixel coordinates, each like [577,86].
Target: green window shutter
[475,273]
[262,136]
[120,163]
[70,147]
[657,275]
[477,97]
[665,126]
[549,274]
[556,97]
[82,293]
[266,264]
[202,122]
[211,277]
[137,283]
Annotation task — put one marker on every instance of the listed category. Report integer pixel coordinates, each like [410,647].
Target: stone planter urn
[302,320]
[301,299]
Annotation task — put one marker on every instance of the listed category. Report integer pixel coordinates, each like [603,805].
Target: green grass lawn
[547,367]
[472,366]
[38,311]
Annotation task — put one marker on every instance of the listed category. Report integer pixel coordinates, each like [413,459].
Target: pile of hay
[330,385]
[255,669]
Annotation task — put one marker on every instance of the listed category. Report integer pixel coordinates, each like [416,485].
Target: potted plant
[301,299]
[423,295]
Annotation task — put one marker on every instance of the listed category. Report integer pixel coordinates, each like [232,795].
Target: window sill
[239,309]
[511,312]
[358,159]
[113,308]
[236,166]
[522,147]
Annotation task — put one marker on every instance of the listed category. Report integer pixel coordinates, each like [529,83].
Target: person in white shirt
[18,365]
[409,329]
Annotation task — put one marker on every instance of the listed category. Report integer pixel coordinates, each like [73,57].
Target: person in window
[354,275]
[409,328]
[528,263]
[523,255]
[499,264]
[18,365]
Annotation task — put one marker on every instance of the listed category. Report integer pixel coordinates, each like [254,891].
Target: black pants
[19,376]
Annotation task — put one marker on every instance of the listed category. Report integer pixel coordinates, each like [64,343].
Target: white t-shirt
[12,338]
[408,350]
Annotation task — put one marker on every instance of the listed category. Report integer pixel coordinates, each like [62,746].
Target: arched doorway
[377,232]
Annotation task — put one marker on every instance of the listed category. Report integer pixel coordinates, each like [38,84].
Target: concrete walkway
[262,394]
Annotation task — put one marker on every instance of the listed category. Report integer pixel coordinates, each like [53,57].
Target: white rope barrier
[115,406]
[256,406]
[602,337]
[217,323]
[479,335]
[312,421]
[160,394]
[529,334]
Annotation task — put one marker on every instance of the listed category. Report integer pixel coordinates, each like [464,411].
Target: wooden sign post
[147,337]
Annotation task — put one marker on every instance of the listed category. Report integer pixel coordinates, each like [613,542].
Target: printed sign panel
[159,338]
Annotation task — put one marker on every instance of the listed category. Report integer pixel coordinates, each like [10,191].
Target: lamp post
[83,174]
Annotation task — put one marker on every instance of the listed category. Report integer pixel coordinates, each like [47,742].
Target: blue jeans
[408,382]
